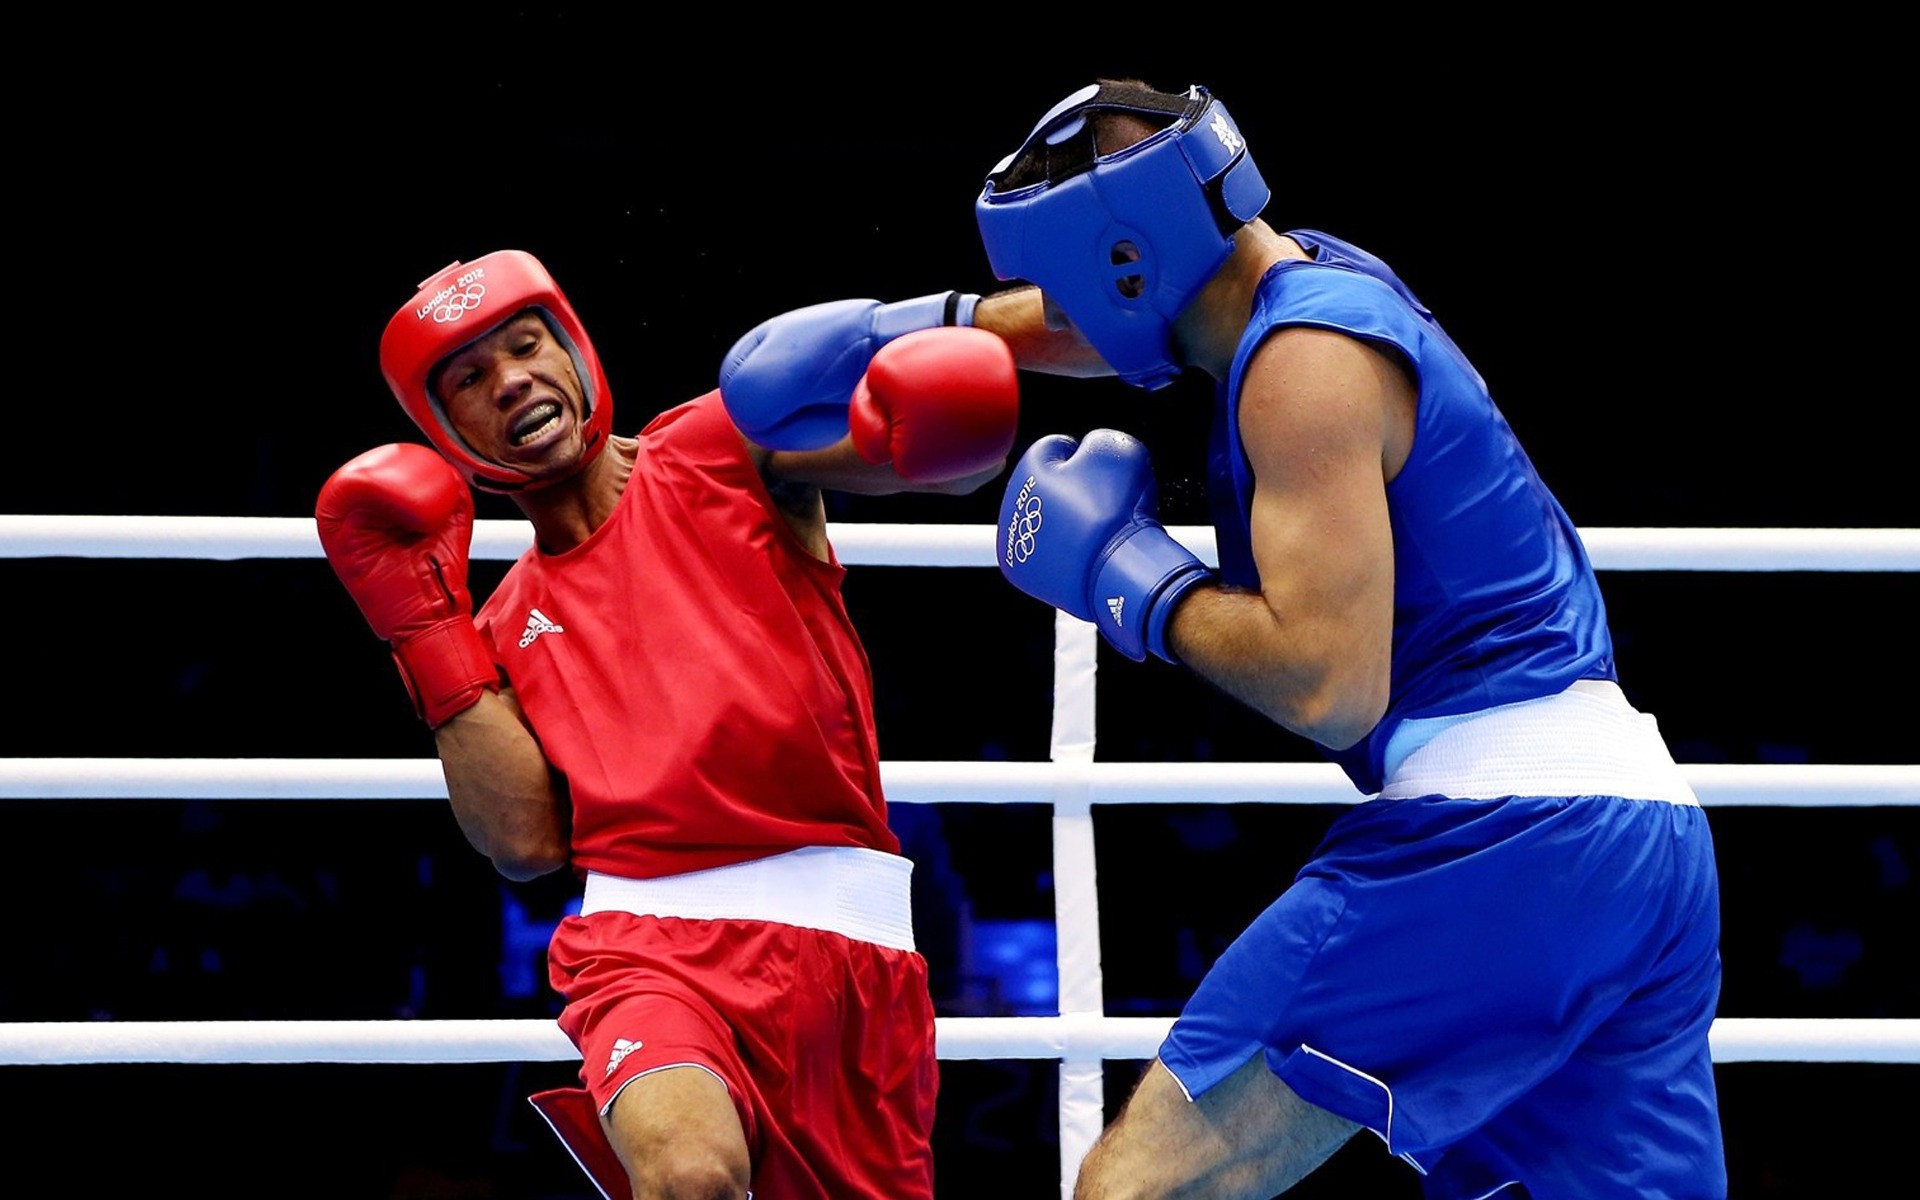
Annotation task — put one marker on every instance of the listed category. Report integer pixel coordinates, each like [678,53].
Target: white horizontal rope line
[160,537]
[1799,785]
[1075,1038]
[1734,549]
[1803,785]
[77,1042]
[1835,1040]
[932,545]
[221,779]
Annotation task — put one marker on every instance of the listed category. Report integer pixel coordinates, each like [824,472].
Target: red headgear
[466,301]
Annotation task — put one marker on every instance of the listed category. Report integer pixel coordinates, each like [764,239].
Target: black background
[1679,256]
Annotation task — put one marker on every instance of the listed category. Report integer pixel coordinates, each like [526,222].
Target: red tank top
[692,671]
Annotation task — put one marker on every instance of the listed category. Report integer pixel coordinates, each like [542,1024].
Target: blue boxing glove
[1081,530]
[788,382]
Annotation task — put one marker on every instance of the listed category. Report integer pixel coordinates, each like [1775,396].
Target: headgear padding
[466,301]
[1122,242]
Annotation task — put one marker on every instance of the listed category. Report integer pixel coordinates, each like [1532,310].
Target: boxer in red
[665,696]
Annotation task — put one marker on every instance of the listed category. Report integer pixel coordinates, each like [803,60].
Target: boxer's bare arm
[1041,340]
[505,796]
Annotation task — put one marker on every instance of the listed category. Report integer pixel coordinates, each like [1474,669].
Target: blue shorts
[1510,990]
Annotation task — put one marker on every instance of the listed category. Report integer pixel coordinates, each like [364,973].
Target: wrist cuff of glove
[1161,614]
[446,668]
[921,312]
[1137,586]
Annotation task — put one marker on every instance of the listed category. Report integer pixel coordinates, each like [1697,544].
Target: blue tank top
[1494,599]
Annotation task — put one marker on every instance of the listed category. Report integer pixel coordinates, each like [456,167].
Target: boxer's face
[514,396]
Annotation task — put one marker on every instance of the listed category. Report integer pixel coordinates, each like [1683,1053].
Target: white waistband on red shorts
[1586,741]
[863,894]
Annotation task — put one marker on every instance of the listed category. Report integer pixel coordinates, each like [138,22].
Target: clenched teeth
[535,423]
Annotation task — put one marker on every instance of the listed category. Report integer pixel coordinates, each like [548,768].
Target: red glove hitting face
[396,524]
[938,404]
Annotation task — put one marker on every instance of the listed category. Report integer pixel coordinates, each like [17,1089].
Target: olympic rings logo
[1228,135]
[459,304]
[1023,527]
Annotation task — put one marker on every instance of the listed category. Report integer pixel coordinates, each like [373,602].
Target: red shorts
[825,1043]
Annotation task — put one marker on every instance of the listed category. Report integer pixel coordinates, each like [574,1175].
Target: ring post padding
[1076,900]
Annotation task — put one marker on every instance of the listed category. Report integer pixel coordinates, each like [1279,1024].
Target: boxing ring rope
[1077,1036]
[1082,1037]
[1616,549]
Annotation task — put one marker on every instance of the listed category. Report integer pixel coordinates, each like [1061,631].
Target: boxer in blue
[1504,961]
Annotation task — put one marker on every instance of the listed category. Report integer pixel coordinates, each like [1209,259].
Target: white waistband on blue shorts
[1586,741]
[863,894]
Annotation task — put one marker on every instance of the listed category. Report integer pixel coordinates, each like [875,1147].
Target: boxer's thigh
[1249,1135]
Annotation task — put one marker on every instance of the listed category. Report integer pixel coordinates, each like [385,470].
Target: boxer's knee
[687,1173]
[679,1137]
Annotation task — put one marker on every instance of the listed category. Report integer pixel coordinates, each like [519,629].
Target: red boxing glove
[396,524]
[938,404]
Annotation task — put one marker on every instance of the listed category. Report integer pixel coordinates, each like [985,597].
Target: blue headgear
[1123,241]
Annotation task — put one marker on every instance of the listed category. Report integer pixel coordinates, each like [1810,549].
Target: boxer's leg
[1248,1135]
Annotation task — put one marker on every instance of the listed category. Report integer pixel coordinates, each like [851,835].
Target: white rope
[1076,1038]
[1793,785]
[876,543]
